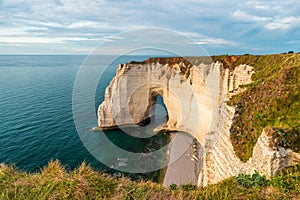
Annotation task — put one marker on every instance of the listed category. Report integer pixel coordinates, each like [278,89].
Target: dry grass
[54,182]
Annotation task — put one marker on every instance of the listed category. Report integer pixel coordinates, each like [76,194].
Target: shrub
[187,187]
[173,186]
[251,181]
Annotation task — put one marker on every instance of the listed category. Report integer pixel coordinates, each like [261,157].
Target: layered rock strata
[195,96]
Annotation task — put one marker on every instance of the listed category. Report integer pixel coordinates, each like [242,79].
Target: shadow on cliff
[129,138]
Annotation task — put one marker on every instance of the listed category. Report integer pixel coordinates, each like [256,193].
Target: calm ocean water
[36,121]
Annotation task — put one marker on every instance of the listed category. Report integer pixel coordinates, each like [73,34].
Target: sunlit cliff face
[196,98]
[190,94]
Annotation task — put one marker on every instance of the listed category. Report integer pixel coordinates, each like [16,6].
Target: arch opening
[158,112]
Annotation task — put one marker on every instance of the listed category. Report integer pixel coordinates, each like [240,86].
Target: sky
[78,26]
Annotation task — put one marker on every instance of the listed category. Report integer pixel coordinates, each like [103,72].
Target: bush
[251,181]
[188,187]
[173,186]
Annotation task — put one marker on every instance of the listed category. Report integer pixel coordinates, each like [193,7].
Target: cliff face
[190,94]
[220,159]
[196,100]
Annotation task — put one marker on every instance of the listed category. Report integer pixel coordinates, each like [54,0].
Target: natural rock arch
[196,100]
[188,99]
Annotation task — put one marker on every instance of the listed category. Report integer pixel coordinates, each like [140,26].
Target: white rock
[196,104]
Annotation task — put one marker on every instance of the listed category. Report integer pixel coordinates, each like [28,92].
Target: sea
[36,119]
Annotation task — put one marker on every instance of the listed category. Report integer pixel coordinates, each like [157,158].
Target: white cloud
[266,5]
[193,35]
[86,24]
[11,31]
[276,22]
[79,39]
[214,41]
[242,15]
[38,23]
[224,22]
[41,40]
[17,40]
[284,23]
[201,39]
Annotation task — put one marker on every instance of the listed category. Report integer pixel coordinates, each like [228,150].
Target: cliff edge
[202,98]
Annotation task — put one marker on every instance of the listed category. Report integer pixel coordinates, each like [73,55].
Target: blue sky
[78,26]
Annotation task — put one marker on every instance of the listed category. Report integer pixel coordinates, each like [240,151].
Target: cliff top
[167,60]
[227,61]
[271,101]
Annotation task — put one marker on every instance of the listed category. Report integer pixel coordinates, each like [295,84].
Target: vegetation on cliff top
[272,102]
[54,182]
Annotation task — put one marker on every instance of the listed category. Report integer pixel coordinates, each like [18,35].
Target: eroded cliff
[191,104]
[195,94]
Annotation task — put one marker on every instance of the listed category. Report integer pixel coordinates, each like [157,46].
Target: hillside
[271,101]
[54,182]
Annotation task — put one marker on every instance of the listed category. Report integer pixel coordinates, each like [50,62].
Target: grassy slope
[272,101]
[84,183]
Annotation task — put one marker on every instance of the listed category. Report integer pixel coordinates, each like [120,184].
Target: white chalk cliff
[195,97]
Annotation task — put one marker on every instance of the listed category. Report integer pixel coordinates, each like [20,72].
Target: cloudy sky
[78,26]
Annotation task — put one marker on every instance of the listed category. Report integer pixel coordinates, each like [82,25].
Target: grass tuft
[86,183]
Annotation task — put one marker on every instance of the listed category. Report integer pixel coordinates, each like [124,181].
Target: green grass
[272,101]
[54,182]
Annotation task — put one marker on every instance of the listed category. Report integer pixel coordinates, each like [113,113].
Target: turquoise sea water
[36,121]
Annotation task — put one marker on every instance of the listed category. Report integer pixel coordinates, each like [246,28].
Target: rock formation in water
[195,96]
